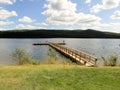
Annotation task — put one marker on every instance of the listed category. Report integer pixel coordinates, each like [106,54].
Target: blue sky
[103,15]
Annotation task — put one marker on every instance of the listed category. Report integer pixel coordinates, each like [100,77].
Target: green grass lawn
[59,77]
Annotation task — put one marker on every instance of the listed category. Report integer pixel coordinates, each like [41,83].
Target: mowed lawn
[59,77]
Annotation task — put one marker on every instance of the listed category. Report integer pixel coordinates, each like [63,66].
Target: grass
[59,77]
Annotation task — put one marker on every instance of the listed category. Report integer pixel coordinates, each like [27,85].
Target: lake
[97,47]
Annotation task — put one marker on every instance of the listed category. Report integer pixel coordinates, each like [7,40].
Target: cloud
[87,19]
[4,23]
[26,19]
[2,29]
[97,8]
[5,14]
[43,24]
[106,4]
[22,26]
[63,12]
[109,27]
[7,1]
[113,27]
[88,1]
[116,15]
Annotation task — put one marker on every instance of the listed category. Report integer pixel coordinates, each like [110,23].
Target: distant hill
[42,33]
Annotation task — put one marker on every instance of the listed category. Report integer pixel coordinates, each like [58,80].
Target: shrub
[111,61]
[52,61]
[105,62]
[52,56]
[22,57]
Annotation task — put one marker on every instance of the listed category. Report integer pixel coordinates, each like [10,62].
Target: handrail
[87,57]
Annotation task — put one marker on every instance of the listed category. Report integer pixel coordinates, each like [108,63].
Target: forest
[44,33]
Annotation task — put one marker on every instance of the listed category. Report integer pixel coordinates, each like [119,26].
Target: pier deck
[78,56]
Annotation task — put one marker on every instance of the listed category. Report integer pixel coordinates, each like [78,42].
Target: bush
[111,61]
[52,61]
[52,56]
[22,57]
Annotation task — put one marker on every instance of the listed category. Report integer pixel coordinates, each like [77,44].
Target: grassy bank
[59,77]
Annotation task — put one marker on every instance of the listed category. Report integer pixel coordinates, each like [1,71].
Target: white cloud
[22,26]
[61,5]
[88,1]
[63,12]
[26,19]
[5,14]
[2,29]
[43,24]
[86,19]
[7,1]
[111,27]
[97,8]
[116,15]
[4,23]
[106,4]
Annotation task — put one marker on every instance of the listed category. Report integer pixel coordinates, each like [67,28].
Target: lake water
[97,47]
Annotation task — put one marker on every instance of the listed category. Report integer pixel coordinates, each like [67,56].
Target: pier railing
[78,56]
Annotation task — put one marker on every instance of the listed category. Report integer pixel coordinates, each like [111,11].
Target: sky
[102,15]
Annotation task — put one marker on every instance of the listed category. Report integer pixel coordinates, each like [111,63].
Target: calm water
[97,47]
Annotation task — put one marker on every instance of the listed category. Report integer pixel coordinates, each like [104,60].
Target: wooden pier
[78,56]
